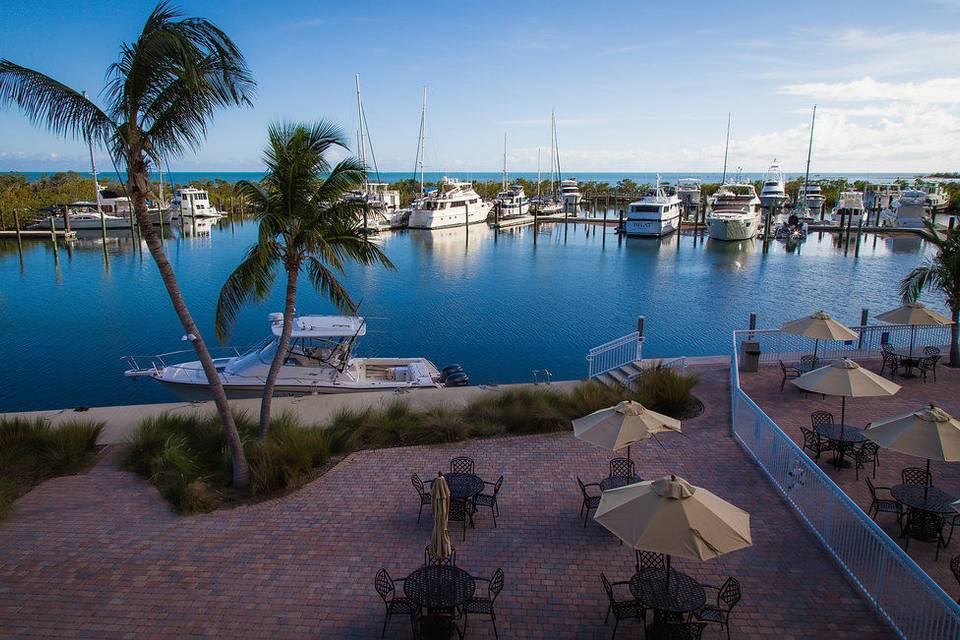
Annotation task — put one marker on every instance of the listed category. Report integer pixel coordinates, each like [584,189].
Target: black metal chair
[649,560]
[820,419]
[864,454]
[816,444]
[461,511]
[808,363]
[437,626]
[927,365]
[669,630]
[916,475]
[789,373]
[432,560]
[924,525]
[621,609]
[589,501]
[931,351]
[728,595]
[890,359]
[622,468]
[484,605]
[883,504]
[490,499]
[955,569]
[387,588]
[422,492]
[461,464]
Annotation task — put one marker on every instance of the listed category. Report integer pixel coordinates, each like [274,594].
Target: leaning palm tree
[308,222]
[942,273]
[160,95]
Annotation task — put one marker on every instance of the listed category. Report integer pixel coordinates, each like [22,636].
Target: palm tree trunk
[954,335]
[137,177]
[289,308]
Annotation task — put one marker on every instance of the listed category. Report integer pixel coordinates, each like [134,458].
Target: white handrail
[615,353]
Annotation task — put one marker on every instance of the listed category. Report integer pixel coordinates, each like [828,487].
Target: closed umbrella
[621,425]
[916,315]
[929,433]
[673,517]
[440,545]
[819,326]
[847,379]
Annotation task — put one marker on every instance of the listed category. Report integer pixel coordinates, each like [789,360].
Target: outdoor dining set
[468,492]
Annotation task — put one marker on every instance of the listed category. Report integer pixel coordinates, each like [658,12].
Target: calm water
[500,305]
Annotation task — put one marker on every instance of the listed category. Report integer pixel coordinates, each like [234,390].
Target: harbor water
[501,304]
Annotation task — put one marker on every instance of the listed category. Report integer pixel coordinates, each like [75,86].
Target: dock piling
[640,322]
[16,226]
[53,239]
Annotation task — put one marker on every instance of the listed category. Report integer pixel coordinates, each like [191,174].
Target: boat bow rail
[149,366]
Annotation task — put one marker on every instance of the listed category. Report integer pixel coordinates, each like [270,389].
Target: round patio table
[846,437]
[909,360]
[937,502]
[463,486]
[439,587]
[615,482]
[649,586]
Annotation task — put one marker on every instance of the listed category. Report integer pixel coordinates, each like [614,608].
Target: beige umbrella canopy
[673,517]
[914,314]
[440,545]
[847,379]
[621,425]
[929,433]
[819,326]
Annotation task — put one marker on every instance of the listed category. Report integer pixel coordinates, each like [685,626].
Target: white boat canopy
[320,326]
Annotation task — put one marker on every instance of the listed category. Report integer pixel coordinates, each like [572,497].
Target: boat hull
[430,219]
[651,228]
[734,229]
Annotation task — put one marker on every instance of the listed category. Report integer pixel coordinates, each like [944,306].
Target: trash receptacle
[750,358]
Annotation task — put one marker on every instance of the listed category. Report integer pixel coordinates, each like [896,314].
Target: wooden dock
[39,233]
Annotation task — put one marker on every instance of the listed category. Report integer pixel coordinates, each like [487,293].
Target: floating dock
[39,233]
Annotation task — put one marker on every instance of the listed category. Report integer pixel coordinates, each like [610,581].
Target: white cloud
[936,90]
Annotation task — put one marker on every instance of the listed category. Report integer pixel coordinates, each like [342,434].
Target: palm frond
[348,175]
[252,278]
[325,281]
[916,281]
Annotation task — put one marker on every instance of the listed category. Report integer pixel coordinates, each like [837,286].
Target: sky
[635,86]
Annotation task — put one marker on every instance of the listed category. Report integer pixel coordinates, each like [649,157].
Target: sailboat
[553,203]
[512,202]
[809,201]
[383,211]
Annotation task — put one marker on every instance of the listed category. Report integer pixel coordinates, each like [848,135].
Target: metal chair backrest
[869,450]
[432,560]
[384,584]
[622,468]
[583,488]
[607,586]
[461,464]
[808,363]
[955,567]
[417,484]
[872,488]
[496,584]
[887,350]
[819,418]
[931,351]
[930,361]
[810,438]
[729,594]
[497,485]
[916,475]
[650,560]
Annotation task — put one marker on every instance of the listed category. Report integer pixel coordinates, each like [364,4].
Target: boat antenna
[726,149]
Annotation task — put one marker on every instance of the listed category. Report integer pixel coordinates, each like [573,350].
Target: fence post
[640,322]
[864,317]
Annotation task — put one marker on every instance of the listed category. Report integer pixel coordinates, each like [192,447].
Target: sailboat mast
[552,154]
[726,150]
[806,176]
[504,161]
[538,176]
[361,155]
[556,150]
[423,119]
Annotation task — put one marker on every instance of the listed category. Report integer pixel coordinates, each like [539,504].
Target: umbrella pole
[628,452]
[843,413]
[668,575]
[912,327]
[816,345]
[926,482]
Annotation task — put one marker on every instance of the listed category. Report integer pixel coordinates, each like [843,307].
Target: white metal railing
[776,345]
[616,353]
[903,594]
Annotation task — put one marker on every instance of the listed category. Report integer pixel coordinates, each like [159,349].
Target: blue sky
[636,87]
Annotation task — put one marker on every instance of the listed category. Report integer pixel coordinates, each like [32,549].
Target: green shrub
[32,451]
[665,390]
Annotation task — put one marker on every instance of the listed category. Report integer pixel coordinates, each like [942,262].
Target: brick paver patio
[791,410]
[101,555]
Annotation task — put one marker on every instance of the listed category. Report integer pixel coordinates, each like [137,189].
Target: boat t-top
[772,193]
[735,212]
[653,215]
[320,360]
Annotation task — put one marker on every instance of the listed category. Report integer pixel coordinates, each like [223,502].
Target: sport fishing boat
[654,215]
[454,204]
[849,209]
[772,193]
[735,212]
[810,196]
[320,360]
[907,210]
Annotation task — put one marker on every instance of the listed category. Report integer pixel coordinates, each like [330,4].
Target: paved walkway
[791,410]
[100,555]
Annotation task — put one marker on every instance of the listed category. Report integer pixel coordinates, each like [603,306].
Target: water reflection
[732,255]
[903,243]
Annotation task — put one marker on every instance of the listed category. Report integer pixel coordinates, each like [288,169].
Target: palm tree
[160,95]
[307,222]
[942,272]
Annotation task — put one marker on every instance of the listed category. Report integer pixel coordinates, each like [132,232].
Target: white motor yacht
[654,215]
[513,202]
[773,193]
[849,209]
[570,193]
[82,216]
[192,203]
[937,196]
[455,204]
[735,213]
[810,198]
[320,360]
[908,209]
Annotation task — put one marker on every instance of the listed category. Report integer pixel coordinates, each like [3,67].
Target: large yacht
[320,360]
[454,204]
[908,209]
[772,193]
[849,209]
[688,190]
[811,197]
[735,212]
[83,215]
[192,203]
[570,194]
[653,215]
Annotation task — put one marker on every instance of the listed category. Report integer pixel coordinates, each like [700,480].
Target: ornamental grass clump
[32,451]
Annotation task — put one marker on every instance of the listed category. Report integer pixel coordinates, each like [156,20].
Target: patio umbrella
[929,433]
[914,314]
[675,518]
[819,326]
[847,379]
[440,545]
[621,425]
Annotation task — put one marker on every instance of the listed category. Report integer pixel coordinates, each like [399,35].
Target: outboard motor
[457,379]
[793,220]
[448,371]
